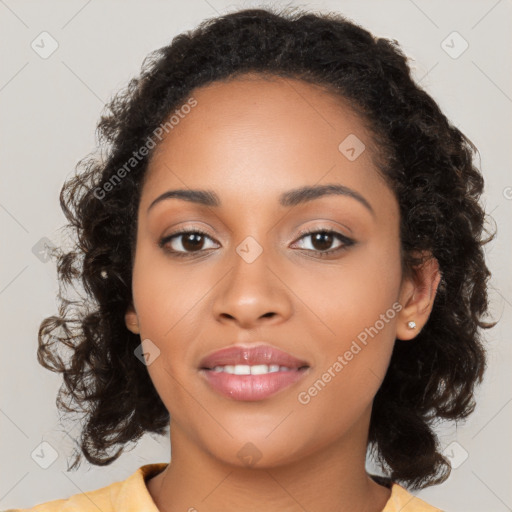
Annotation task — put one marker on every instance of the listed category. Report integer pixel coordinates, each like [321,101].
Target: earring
[104,274]
[411,324]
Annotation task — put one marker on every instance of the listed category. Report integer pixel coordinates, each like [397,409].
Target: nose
[253,294]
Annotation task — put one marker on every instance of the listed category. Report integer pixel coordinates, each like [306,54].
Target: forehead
[257,136]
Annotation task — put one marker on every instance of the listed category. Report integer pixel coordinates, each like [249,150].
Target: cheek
[374,280]
[360,307]
[348,375]
[168,299]
[353,295]
[164,292]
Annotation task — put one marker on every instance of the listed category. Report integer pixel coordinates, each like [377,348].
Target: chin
[255,452]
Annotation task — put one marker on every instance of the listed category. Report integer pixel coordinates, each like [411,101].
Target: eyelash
[347,242]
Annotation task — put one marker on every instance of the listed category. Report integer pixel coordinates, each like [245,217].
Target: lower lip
[252,387]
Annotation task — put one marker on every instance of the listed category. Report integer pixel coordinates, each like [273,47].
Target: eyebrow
[287,199]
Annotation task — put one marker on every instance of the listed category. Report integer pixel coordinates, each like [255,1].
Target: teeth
[245,369]
[259,369]
[239,369]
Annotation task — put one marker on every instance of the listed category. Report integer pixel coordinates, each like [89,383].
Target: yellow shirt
[132,495]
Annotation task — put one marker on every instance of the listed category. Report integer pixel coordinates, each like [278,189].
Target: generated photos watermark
[305,397]
[143,151]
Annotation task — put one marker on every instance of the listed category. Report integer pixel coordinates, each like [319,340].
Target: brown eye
[323,239]
[185,243]
[192,241]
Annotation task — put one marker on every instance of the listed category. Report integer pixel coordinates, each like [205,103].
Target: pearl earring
[411,324]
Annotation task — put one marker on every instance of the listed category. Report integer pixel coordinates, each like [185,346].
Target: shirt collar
[133,495]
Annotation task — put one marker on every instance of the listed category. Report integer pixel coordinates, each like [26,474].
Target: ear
[131,320]
[417,295]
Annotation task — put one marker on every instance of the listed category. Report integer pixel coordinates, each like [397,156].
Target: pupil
[323,238]
[192,241]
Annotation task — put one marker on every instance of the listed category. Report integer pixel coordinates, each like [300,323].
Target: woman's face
[253,278]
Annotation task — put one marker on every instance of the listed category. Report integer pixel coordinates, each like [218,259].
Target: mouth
[251,374]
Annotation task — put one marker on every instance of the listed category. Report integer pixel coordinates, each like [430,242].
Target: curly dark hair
[427,162]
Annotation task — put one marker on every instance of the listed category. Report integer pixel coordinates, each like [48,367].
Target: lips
[252,387]
[256,355]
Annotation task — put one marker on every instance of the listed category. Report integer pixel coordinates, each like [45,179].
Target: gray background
[49,109]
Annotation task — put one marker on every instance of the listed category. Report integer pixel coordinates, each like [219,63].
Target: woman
[282,251]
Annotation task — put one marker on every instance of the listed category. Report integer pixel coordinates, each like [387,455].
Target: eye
[184,242]
[322,239]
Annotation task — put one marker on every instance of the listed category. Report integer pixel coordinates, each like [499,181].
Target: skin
[249,140]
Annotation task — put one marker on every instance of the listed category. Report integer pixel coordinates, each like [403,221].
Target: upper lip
[259,354]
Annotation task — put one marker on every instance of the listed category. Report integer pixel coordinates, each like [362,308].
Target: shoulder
[82,502]
[124,495]
[403,501]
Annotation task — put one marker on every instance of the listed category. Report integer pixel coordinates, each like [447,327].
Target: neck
[329,479]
